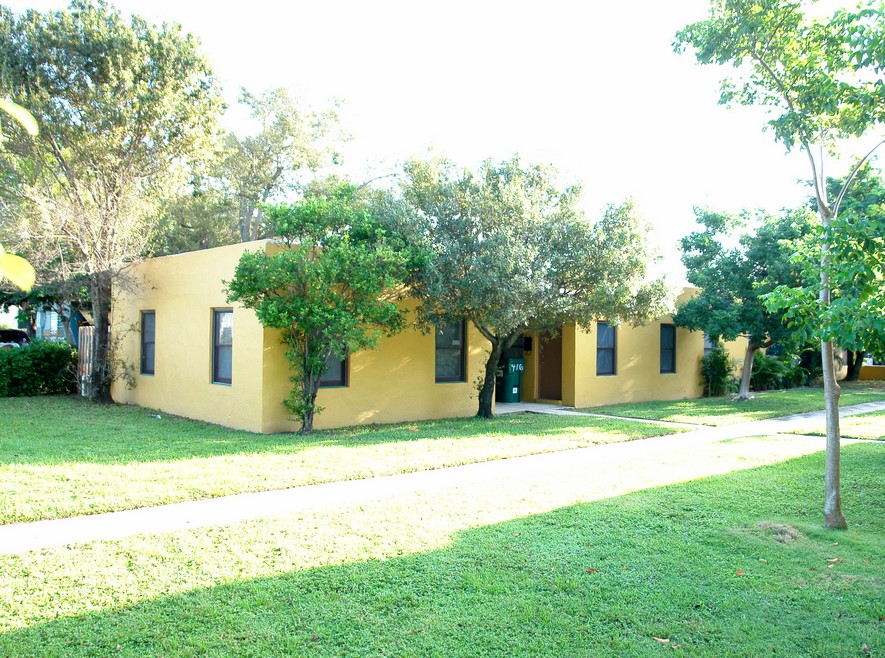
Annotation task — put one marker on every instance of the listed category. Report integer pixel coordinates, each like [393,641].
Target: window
[709,343]
[222,345]
[148,340]
[606,349]
[668,348]
[450,352]
[335,373]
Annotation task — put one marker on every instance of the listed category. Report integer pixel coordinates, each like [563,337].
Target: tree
[121,108]
[734,279]
[332,289]
[855,270]
[507,250]
[202,218]
[859,238]
[821,78]
[256,167]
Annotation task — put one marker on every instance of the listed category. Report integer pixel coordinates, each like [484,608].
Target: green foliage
[332,288]
[775,372]
[121,105]
[733,277]
[507,249]
[256,167]
[717,372]
[820,76]
[43,368]
[855,269]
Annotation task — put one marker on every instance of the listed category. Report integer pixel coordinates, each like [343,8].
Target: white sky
[593,88]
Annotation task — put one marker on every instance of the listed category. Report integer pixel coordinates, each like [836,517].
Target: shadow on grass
[687,564]
[52,430]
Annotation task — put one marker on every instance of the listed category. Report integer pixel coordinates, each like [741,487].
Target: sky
[592,88]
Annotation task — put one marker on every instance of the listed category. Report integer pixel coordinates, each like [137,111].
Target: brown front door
[550,368]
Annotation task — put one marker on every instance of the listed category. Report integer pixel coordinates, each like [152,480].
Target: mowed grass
[870,426]
[728,411]
[730,565]
[62,456]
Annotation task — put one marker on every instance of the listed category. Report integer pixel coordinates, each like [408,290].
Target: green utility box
[508,384]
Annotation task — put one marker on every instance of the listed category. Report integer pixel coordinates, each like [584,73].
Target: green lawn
[691,569]
[869,426]
[62,456]
[727,411]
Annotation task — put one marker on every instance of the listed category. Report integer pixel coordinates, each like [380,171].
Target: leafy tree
[256,167]
[734,279]
[508,250]
[202,218]
[332,288]
[121,105]
[821,79]
[855,269]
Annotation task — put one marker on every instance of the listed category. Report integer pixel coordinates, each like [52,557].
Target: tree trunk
[855,363]
[102,369]
[833,517]
[747,372]
[487,392]
[310,387]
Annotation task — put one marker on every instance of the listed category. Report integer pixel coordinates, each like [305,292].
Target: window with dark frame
[222,345]
[668,348]
[148,341]
[709,343]
[335,373]
[450,352]
[606,349]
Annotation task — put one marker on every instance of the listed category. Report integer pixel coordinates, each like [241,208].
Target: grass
[727,411]
[730,565]
[63,457]
[870,426]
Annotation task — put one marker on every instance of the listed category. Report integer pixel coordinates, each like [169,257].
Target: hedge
[42,368]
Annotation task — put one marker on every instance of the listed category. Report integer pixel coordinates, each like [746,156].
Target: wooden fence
[84,361]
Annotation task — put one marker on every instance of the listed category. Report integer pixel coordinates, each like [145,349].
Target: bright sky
[593,88]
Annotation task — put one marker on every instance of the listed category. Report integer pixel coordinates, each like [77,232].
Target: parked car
[11,338]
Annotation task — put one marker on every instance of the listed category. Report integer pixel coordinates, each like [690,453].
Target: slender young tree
[121,105]
[507,250]
[821,78]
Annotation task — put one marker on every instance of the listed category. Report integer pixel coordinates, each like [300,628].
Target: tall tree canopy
[332,288]
[508,250]
[289,139]
[734,275]
[822,79]
[121,104]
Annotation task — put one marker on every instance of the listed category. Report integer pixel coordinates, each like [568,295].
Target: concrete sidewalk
[610,468]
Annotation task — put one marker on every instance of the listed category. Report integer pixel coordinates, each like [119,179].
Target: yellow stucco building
[193,354]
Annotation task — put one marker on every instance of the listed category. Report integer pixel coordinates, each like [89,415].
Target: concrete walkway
[610,468]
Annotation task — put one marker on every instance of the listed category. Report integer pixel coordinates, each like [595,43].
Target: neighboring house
[195,355]
[49,325]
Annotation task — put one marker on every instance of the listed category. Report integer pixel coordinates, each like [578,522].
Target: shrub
[43,368]
[717,371]
[774,372]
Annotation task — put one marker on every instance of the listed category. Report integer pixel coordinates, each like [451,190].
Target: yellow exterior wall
[183,290]
[638,367]
[393,383]
[872,373]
